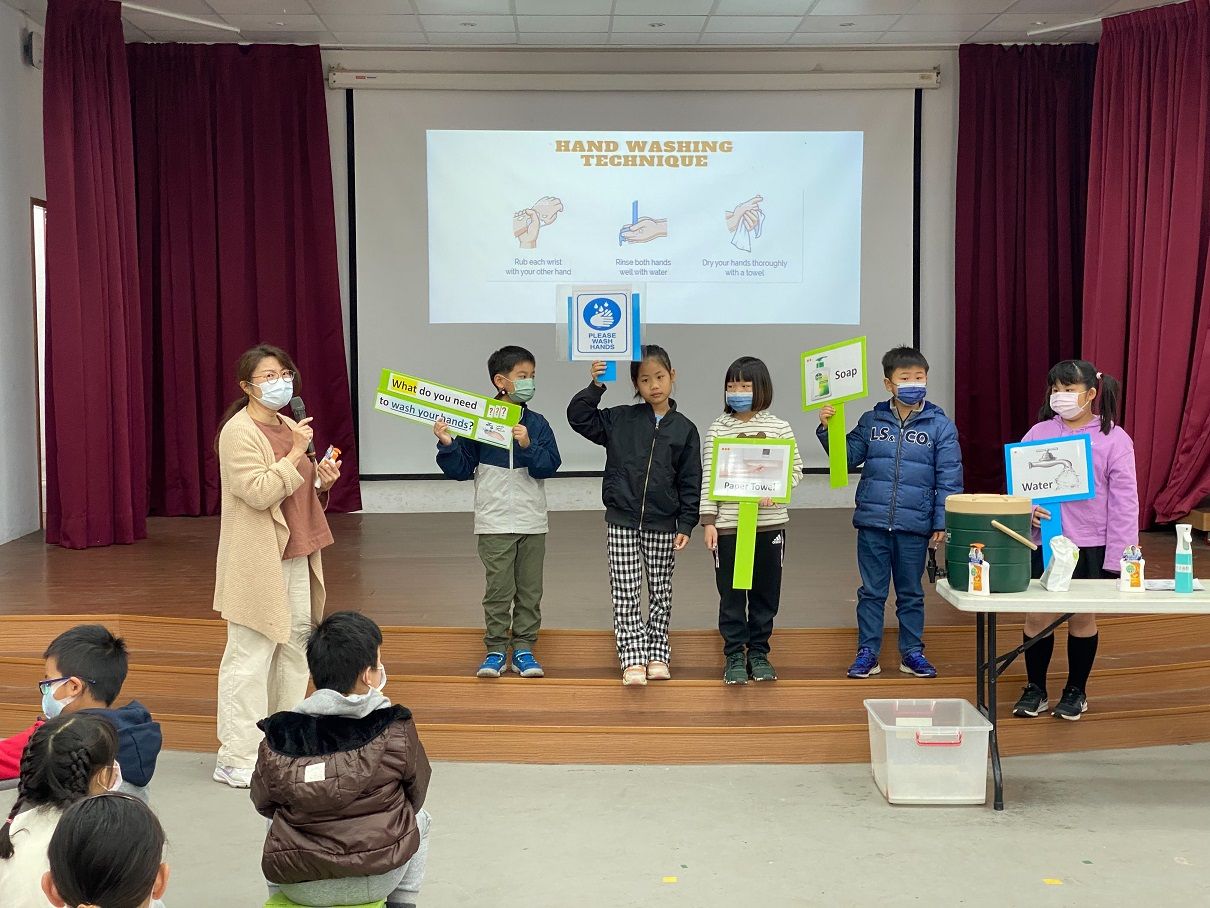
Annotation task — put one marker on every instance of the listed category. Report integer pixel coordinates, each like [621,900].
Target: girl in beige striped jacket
[745,617]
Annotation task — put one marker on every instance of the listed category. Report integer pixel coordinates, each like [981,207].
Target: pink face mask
[1066,404]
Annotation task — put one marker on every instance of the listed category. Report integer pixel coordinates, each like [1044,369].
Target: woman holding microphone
[269,583]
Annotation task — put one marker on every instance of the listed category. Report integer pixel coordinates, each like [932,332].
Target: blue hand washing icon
[602,313]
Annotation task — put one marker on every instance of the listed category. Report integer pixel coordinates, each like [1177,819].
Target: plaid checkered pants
[630,551]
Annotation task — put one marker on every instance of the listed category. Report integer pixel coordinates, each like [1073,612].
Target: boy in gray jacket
[510,515]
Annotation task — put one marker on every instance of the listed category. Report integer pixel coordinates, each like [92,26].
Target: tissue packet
[1064,555]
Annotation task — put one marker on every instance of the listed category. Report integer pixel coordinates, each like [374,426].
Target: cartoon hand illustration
[644,230]
[601,317]
[526,225]
[548,208]
[745,212]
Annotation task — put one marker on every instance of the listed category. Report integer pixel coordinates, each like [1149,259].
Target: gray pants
[401,885]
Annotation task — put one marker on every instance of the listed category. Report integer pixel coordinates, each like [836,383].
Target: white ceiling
[588,23]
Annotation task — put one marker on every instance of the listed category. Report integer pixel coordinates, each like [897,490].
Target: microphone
[300,413]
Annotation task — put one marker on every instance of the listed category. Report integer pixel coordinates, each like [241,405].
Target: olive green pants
[512,604]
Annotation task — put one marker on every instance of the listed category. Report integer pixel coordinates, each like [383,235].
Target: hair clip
[1098,376]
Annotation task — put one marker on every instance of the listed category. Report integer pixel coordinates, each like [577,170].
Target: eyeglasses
[44,686]
[274,376]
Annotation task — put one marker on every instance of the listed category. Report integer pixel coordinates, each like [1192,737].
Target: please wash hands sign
[470,415]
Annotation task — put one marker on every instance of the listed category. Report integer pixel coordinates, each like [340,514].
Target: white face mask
[276,394]
[383,684]
[1066,404]
[117,777]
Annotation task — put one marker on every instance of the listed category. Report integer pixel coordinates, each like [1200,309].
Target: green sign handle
[838,450]
[745,545]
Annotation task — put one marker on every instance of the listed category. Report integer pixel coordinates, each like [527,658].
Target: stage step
[1152,686]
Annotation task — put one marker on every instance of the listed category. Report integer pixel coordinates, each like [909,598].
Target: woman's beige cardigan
[249,588]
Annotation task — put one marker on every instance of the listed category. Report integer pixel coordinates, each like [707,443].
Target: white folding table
[1099,596]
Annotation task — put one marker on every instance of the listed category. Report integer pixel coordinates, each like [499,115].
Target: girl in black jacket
[651,490]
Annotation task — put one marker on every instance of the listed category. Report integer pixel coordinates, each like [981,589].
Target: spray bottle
[1184,558]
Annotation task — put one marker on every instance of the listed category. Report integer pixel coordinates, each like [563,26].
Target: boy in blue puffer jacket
[912,463]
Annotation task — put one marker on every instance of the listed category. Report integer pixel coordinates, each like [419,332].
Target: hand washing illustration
[641,229]
[746,222]
[528,222]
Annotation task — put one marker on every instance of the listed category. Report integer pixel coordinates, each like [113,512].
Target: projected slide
[723,228]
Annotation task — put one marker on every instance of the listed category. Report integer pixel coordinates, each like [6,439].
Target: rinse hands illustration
[1067,478]
[644,230]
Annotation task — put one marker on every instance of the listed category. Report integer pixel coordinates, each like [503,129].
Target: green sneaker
[737,669]
[760,668]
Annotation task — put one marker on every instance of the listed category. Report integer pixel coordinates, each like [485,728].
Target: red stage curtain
[96,459]
[1147,301]
[1024,115]
[237,245]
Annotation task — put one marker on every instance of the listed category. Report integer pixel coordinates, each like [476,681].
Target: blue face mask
[739,403]
[911,392]
[50,706]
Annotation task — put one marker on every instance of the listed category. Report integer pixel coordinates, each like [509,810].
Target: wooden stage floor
[422,570]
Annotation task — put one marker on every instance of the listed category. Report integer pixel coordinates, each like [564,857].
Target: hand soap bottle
[1184,558]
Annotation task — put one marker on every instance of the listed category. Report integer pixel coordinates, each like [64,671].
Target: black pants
[745,617]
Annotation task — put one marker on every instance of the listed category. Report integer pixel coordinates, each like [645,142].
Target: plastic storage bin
[928,751]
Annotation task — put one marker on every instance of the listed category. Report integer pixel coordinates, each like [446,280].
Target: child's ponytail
[1109,395]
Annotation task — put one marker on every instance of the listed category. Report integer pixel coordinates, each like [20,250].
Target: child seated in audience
[342,778]
[92,867]
[67,759]
[85,670]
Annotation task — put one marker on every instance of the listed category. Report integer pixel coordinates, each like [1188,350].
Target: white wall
[939,141]
[21,178]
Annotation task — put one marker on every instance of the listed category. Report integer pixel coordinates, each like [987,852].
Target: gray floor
[1098,829]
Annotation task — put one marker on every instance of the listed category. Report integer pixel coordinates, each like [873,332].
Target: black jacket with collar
[653,471]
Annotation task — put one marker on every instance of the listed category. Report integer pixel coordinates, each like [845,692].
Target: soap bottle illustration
[822,386]
[1184,558]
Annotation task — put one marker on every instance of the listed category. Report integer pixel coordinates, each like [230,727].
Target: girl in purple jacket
[1102,526]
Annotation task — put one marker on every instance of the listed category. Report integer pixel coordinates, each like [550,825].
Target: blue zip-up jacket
[910,468]
[509,492]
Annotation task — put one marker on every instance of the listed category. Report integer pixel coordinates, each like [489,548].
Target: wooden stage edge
[419,577]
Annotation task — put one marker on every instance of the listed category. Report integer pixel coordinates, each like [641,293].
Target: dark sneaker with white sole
[737,669]
[1032,702]
[760,668]
[1072,704]
[916,664]
[865,664]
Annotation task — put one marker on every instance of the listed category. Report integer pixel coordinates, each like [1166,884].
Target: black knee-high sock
[1081,651]
[1037,658]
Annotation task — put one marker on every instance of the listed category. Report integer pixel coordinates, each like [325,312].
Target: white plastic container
[928,751]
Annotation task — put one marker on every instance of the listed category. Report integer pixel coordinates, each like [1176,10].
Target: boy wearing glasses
[85,670]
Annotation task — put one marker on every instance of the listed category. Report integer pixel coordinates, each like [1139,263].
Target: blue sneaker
[525,665]
[865,664]
[493,666]
[916,664]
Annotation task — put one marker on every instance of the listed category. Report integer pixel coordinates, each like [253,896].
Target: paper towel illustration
[746,222]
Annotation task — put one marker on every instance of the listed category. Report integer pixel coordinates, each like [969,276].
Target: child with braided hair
[67,759]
